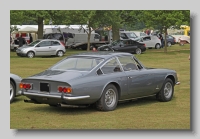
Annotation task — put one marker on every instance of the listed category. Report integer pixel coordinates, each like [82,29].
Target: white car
[151,41]
[140,34]
[45,47]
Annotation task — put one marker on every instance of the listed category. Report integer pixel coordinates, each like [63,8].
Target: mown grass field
[146,113]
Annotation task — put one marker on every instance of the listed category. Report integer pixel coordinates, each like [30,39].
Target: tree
[165,19]
[94,19]
[38,16]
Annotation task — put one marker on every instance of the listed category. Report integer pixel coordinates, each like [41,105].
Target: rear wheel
[60,53]
[167,91]
[138,51]
[169,44]
[109,99]
[30,54]
[12,91]
[157,46]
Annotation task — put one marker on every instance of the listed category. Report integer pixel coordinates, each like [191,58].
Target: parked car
[14,86]
[98,78]
[129,46]
[128,35]
[170,40]
[151,42]
[140,34]
[42,47]
[105,48]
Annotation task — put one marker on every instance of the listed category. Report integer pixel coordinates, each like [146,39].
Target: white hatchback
[42,47]
[151,41]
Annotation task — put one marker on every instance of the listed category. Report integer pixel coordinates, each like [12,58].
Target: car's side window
[111,66]
[128,63]
[55,43]
[123,35]
[45,43]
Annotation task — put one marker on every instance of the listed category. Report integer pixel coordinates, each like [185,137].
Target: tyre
[166,92]
[109,99]
[169,44]
[12,91]
[14,50]
[138,51]
[30,54]
[60,53]
[157,46]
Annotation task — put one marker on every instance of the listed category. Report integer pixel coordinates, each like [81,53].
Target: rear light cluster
[25,86]
[144,45]
[63,89]
[62,43]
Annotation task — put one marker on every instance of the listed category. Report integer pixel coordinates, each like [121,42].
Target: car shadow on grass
[71,110]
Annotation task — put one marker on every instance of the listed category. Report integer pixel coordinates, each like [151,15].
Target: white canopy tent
[28,29]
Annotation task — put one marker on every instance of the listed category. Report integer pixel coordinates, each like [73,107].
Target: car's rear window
[78,63]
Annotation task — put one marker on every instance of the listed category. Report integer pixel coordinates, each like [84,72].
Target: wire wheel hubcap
[110,98]
[168,90]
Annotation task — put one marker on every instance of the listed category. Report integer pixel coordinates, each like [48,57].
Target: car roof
[102,54]
[47,40]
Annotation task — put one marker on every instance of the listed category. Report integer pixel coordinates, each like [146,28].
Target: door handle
[129,77]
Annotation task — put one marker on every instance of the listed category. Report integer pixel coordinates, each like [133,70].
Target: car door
[54,47]
[140,81]
[119,46]
[43,48]
[147,41]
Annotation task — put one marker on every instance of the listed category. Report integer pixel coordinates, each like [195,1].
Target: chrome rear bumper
[177,83]
[62,96]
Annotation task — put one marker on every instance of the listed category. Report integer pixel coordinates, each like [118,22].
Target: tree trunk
[115,33]
[40,28]
[89,34]
[165,42]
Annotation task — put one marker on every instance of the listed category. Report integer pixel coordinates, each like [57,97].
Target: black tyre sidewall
[160,96]
[101,102]
[14,91]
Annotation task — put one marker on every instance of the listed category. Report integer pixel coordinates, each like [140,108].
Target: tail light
[144,45]
[25,86]
[62,44]
[63,89]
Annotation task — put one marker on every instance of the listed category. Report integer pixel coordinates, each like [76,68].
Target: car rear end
[61,47]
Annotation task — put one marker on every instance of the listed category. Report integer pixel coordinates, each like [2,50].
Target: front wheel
[12,91]
[60,53]
[166,92]
[109,99]
[138,51]
[30,54]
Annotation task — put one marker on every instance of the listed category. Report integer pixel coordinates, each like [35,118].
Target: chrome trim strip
[58,97]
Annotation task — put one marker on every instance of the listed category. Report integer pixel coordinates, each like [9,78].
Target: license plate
[44,87]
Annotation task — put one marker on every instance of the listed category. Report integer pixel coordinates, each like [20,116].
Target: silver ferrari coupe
[98,78]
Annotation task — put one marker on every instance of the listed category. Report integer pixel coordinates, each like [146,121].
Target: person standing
[20,40]
[11,39]
[31,38]
[162,40]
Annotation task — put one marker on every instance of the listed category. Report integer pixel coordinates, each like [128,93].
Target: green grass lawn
[146,113]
